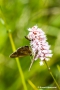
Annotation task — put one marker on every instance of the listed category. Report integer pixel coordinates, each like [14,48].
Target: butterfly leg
[33,60]
[31,64]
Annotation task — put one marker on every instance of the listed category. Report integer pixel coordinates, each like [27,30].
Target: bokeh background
[18,16]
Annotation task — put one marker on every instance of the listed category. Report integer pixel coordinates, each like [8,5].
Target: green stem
[32,85]
[52,75]
[17,61]
[13,47]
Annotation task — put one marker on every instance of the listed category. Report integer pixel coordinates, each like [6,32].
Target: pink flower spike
[39,46]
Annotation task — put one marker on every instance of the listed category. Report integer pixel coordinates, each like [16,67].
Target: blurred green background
[18,16]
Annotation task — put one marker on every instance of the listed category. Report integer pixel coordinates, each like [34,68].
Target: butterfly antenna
[27,38]
[31,64]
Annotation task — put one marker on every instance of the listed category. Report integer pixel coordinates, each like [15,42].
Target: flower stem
[17,61]
[52,75]
[32,85]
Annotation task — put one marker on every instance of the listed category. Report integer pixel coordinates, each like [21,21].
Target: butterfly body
[20,52]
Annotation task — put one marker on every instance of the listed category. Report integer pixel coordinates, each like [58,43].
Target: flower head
[39,45]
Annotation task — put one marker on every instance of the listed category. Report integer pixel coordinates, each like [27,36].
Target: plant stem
[32,85]
[52,75]
[17,61]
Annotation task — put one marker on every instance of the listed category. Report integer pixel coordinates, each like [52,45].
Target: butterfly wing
[22,51]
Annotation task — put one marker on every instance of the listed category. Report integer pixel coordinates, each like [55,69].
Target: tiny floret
[39,45]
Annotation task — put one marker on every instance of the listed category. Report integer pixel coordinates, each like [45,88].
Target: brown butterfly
[20,52]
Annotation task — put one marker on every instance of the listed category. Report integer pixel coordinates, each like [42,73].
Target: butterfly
[21,52]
